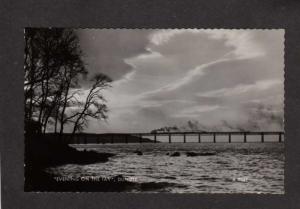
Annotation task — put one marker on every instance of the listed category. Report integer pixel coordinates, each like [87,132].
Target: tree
[94,105]
[53,70]
[52,66]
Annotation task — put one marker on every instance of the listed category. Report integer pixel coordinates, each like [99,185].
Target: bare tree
[94,105]
[53,70]
[49,54]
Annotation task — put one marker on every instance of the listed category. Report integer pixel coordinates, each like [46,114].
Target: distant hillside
[99,138]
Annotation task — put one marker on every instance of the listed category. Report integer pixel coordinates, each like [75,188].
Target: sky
[168,77]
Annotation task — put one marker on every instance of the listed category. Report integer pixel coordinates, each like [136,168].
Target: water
[236,168]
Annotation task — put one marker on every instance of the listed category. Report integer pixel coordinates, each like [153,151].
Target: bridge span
[174,137]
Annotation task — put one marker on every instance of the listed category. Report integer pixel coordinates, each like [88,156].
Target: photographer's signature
[240,179]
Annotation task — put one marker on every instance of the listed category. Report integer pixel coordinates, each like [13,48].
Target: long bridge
[171,137]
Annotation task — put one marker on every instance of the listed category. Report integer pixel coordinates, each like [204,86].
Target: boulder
[193,154]
[175,154]
[138,152]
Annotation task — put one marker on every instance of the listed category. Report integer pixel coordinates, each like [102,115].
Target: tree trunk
[64,108]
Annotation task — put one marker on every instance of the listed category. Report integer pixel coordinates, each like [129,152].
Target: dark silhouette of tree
[94,105]
[53,68]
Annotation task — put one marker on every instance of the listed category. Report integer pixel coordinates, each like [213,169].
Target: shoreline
[41,154]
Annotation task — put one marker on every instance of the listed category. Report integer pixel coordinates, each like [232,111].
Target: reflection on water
[237,167]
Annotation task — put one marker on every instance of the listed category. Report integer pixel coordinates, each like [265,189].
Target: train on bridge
[172,137]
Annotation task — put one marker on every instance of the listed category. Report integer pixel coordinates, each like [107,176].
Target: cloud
[163,36]
[189,77]
[126,78]
[105,50]
[242,41]
[166,77]
[196,110]
[242,89]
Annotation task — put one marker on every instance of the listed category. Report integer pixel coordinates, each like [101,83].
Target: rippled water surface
[236,168]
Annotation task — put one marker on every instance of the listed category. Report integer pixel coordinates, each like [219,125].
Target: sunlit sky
[167,77]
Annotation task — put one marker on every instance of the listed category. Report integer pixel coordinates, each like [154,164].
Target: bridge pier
[280,137]
[262,137]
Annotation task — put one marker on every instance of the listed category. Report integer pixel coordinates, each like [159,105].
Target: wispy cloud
[185,80]
[195,111]
[168,76]
[126,78]
[163,36]
[241,41]
[242,88]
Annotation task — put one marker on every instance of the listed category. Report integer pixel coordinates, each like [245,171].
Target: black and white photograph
[154,110]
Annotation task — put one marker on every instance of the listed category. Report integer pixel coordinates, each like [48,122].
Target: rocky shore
[40,154]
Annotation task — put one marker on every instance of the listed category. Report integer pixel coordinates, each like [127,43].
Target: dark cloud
[106,49]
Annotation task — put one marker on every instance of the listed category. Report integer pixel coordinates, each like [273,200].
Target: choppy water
[237,167]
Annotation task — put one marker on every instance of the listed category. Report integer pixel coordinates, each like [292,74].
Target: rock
[175,154]
[168,153]
[193,154]
[138,152]
[208,153]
